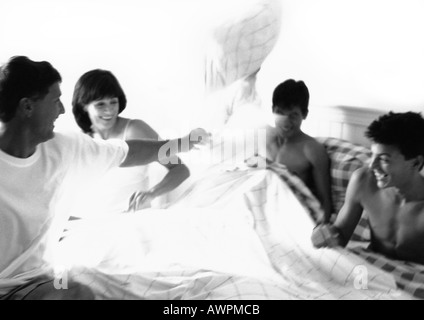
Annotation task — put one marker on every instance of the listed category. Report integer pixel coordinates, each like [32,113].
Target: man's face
[288,120]
[389,166]
[45,113]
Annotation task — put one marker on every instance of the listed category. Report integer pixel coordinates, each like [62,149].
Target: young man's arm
[271,144]
[340,233]
[321,174]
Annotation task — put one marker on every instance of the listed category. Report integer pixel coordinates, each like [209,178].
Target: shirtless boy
[289,145]
[390,190]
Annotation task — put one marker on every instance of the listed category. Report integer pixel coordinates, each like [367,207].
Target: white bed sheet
[239,234]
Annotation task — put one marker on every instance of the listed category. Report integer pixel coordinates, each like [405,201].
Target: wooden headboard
[348,123]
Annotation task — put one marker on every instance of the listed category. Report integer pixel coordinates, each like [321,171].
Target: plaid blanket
[408,276]
[299,189]
[345,158]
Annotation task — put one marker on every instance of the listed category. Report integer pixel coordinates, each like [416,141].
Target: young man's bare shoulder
[271,134]
[311,142]
[362,178]
[360,185]
[313,147]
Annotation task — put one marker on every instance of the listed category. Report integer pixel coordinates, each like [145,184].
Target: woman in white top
[97,102]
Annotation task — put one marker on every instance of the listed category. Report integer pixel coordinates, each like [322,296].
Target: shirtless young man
[289,145]
[390,190]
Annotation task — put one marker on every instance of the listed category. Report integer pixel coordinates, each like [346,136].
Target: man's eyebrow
[383,154]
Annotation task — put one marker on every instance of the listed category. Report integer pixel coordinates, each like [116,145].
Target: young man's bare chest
[294,158]
[397,226]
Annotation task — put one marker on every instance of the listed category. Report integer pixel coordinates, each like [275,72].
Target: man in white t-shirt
[40,169]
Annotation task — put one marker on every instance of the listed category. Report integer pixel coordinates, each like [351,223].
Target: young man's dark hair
[291,93]
[402,130]
[21,78]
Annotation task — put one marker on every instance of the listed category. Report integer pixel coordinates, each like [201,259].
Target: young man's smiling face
[390,167]
[288,121]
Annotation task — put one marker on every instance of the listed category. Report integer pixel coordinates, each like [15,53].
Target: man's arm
[142,152]
[321,174]
[271,144]
[340,233]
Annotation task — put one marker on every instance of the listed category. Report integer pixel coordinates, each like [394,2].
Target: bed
[238,231]
[240,227]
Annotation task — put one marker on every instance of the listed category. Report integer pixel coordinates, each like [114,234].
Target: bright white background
[362,53]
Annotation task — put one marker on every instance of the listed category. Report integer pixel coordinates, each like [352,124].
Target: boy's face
[390,168]
[288,120]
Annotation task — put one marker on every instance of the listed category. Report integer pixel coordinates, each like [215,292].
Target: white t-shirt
[36,195]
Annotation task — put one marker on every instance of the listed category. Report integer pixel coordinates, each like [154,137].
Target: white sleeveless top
[111,194]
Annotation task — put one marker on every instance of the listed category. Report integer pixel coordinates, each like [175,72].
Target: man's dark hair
[291,93]
[95,85]
[402,130]
[22,78]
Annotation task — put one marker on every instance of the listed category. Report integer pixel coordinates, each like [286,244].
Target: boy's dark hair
[22,78]
[95,85]
[291,93]
[402,130]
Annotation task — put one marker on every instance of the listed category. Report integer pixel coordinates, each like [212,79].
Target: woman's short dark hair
[291,93]
[95,85]
[402,130]
[22,78]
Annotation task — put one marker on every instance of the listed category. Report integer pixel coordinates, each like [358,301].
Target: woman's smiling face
[103,113]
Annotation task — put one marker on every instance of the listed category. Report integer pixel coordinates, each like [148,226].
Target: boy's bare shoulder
[362,174]
[362,179]
[313,146]
[311,142]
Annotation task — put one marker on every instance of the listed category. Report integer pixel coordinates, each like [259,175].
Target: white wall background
[362,53]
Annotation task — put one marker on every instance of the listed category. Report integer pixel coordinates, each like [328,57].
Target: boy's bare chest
[397,227]
[294,159]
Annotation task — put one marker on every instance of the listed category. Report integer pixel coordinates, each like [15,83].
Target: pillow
[240,41]
[345,158]
[237,44]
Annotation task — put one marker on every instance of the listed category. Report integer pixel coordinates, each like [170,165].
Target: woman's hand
[140,200]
